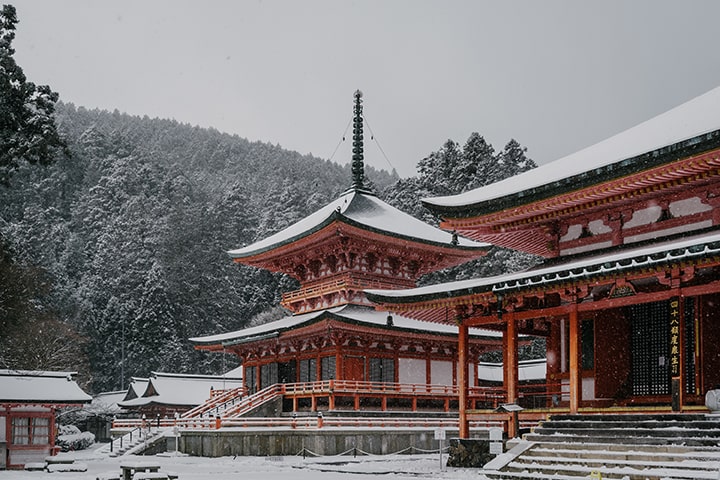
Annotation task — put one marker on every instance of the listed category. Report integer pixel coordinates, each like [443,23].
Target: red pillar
[510,342]
[575,390]
[463,380]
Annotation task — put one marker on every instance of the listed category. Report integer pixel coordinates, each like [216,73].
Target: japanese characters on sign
[675,337]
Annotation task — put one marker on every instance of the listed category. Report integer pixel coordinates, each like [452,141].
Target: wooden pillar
[575,387]
[510,362]
[463,380]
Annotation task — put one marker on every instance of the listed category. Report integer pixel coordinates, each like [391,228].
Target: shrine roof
[691,127]
[347,313]
[40,387]
[364,210]
[580,267]
[181,389]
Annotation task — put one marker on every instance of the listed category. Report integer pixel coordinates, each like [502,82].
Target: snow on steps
[629,448]
[133,442]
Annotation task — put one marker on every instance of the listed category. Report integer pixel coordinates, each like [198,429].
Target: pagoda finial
[358,166]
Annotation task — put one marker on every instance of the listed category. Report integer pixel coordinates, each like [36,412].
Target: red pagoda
[336,348]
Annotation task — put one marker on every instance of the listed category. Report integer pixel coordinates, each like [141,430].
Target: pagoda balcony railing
[339,285]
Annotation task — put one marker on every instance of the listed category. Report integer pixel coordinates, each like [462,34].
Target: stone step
[632,433]
[537,470]
[627,417]
[595,451]
[560,476]
[647,424]
[614,446]
[601,437]
[595,463]
[593,445]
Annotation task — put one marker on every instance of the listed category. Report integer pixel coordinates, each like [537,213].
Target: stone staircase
[134,442]
[622,447]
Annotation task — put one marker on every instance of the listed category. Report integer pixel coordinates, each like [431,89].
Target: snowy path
[395,467]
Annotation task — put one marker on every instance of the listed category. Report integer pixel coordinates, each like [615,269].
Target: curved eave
[336,316]
[329,227]
[614,171]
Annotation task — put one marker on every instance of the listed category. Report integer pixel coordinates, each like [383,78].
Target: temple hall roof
[696,247]
[690,128]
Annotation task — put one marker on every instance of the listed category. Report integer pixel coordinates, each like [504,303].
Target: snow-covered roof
[40,387]
[601,263]
[363,210]
[181,389]
[136,388]
[528,370]
[690,120]
[107,402]
[348,313]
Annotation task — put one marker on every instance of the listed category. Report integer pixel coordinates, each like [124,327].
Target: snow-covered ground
[391,467]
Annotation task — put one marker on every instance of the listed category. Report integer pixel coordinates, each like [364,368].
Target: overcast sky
[555,75]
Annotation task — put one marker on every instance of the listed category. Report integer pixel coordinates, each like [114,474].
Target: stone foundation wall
[288,442]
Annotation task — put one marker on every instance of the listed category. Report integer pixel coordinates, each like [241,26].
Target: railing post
[320,420]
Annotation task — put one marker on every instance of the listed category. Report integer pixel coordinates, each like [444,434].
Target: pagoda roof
[430,302]
[690,128]
[40,387]
[351,314]
[361,209]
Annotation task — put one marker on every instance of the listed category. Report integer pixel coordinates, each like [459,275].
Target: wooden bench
[108,476]
[130,471]
[150,476]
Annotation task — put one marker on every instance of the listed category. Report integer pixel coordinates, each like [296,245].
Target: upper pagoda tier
[658,179]
[355,242]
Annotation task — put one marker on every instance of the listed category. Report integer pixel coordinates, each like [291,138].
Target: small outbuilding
[164,394]
[29,401]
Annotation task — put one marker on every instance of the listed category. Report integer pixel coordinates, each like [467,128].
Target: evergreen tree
[27,124]
[451,171]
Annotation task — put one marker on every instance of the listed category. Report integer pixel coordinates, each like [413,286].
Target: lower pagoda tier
[351,343]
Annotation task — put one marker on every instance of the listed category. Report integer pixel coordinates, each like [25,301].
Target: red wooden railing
[227,408]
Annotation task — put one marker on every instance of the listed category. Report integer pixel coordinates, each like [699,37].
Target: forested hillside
[114,229]
[130,234]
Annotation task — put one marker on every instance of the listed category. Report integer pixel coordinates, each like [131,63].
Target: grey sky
[555,75]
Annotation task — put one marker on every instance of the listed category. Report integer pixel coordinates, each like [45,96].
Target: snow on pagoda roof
[616,260]
[366,211]
[40,387]
[690,120]
[348,313]
[181,389]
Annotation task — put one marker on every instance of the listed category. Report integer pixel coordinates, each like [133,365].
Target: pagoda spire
[358,166]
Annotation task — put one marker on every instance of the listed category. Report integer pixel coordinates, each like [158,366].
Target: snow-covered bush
[71,438]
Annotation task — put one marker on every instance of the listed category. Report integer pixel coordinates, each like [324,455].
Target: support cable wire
[341,139]
[372,137]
